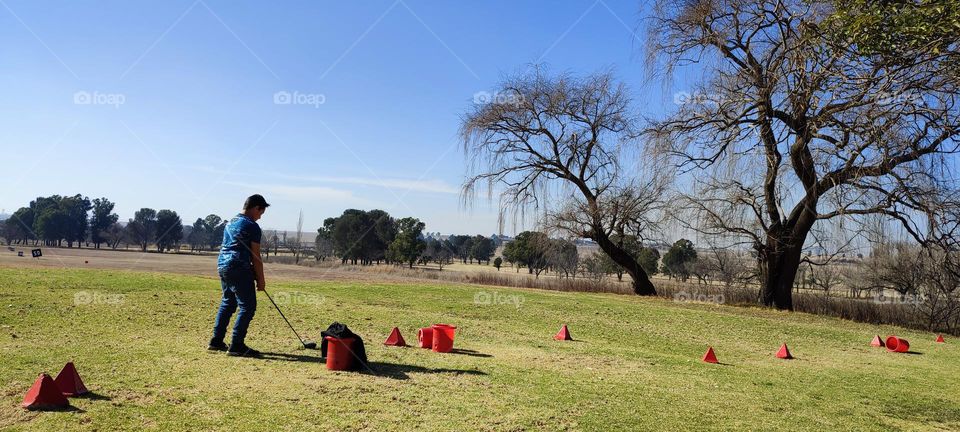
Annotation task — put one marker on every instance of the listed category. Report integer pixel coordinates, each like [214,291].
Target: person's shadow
[402,371]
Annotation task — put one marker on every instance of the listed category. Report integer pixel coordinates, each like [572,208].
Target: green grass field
[138,340]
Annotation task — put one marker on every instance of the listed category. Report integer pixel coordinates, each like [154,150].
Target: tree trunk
[641,283]
[779,273]
[780,263]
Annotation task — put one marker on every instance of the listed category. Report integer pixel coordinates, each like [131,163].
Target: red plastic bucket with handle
[443,337]
[339,353]
[896,344]
[425,337]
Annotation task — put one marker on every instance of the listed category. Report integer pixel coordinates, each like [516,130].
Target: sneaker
[243,351]
[217,346]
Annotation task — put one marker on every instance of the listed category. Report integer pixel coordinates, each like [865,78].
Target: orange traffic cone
[563,334]
[69,382]
[940,339]
[784,352]
[395,339]
[710,356]
[44,395]
[876,342]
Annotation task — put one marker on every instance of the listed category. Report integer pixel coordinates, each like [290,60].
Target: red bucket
[443,337]
[425,337]
[339,353]
[895,344]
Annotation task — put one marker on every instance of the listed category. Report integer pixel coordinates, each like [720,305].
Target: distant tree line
[206,233]
[374,237]
[355,237]
[77,220]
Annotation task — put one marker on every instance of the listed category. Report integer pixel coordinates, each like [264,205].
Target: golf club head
[309,345]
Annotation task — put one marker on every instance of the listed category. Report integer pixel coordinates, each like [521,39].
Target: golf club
[306,344]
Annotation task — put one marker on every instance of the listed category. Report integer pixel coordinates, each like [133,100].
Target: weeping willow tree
[566,148]
[797,123]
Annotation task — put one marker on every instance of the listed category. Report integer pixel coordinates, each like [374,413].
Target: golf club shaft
[285,318]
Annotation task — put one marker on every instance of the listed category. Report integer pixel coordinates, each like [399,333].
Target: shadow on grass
[401,371]
[913,353]
[387,370]
[93,396]
[290,357]
[470,353]
[68,408]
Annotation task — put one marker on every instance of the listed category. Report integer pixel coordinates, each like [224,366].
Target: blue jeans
[238,291]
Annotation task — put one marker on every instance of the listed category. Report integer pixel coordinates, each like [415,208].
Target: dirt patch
[189,264]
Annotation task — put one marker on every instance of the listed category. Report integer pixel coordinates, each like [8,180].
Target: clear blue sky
[182,111]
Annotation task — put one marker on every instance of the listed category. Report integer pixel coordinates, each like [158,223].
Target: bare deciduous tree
[295,243]
[115,234]
[564,146]
[792,126]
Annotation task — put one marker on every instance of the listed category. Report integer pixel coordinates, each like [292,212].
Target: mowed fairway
[138,340]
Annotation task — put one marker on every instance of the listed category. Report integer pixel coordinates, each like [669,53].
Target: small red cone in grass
[784,352]
[395,339]
[69,382]
[940,339]
[710,356]
[44,395]
[876,342]
[563,334]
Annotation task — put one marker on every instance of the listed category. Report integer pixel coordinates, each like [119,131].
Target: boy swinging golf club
[239,266]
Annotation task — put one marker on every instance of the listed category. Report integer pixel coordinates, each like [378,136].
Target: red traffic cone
[876,342]
[395,339]
[69,382]
[940,339]
[784,352]
[710,356]
[44,395]
[563,334]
